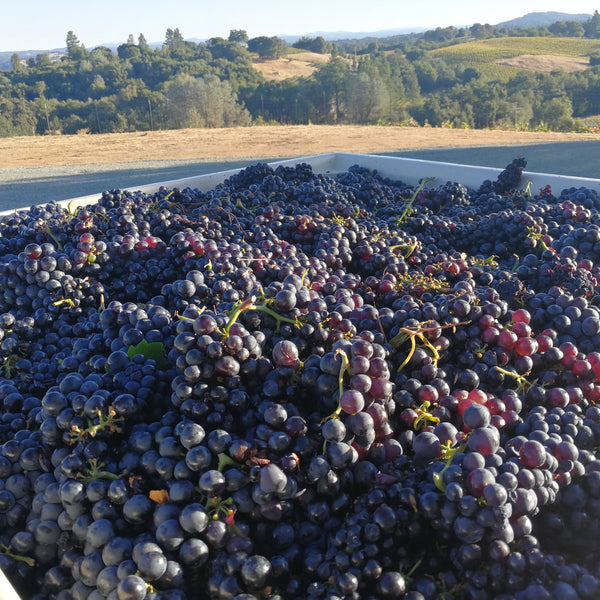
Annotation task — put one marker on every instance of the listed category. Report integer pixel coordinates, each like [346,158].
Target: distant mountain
[6,65]
[540,19]
[352,35]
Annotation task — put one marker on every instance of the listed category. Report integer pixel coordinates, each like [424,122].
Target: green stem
[95,471]
[408,208]
[251,304]
[345,367]
[4,549]
[449,456]
[522,383]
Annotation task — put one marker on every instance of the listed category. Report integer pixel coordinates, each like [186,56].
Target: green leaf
[152,350]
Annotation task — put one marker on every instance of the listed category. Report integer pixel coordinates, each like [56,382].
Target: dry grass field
[546,63]
[295,64]
[249,142]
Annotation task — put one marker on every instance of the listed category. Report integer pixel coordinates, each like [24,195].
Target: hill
[542,19]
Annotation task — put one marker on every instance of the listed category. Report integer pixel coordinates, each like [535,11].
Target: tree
[129,51]
[318,44]
[479,31]
[231,51]
[238,35]
[592,26]
[15,61]
[268,47]
[205,102]
[42,60]
[366,99]
[142,43]
[75,49]
[173,39]
[331,85]
[567,29]
[556,113]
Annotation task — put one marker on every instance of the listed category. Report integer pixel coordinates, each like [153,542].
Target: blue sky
[43,24]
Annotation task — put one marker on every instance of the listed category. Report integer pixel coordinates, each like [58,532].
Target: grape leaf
[152,350]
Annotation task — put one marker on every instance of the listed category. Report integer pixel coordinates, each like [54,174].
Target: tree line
[214,84]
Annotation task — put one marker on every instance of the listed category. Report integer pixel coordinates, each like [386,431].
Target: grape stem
[345,367]
[424,415]
[109,422]
[252,304]
[405,249]
[522,384]
[412,333]
[448,455]
[408,206]
[95,471]
[4,549]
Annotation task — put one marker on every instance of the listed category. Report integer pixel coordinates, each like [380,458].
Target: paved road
[34,185]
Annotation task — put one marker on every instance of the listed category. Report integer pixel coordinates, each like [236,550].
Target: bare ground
[249,142]
[546,63]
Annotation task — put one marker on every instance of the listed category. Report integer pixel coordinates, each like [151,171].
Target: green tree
[592,26]
[15,61]
[479,31]
[238,35]
[17,117]
[318,44]
[142,43]
[268,47]
[366,99]
[556,113]
[75,49]
[205,102]
[567,29]
[129,51]
[173,39]
[42,60]
[331,87]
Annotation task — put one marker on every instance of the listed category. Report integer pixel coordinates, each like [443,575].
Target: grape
[476,416]
[272,479]
[532,454]
[288,387]
[132,587]
[152,565]
[255,571]
[352,401]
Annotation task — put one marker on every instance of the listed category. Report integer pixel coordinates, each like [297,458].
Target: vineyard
[485,54]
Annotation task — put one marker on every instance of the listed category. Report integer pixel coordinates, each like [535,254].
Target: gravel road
[25,186]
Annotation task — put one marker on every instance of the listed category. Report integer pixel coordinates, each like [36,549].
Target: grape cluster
[302,386]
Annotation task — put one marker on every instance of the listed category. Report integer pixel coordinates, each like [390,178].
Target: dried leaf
[159,496]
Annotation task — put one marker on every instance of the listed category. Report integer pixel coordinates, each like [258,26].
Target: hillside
[541,19]
[497,58]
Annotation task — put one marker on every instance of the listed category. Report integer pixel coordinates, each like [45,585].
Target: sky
[43,24]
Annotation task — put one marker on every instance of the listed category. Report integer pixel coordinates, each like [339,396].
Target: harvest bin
[407,170]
